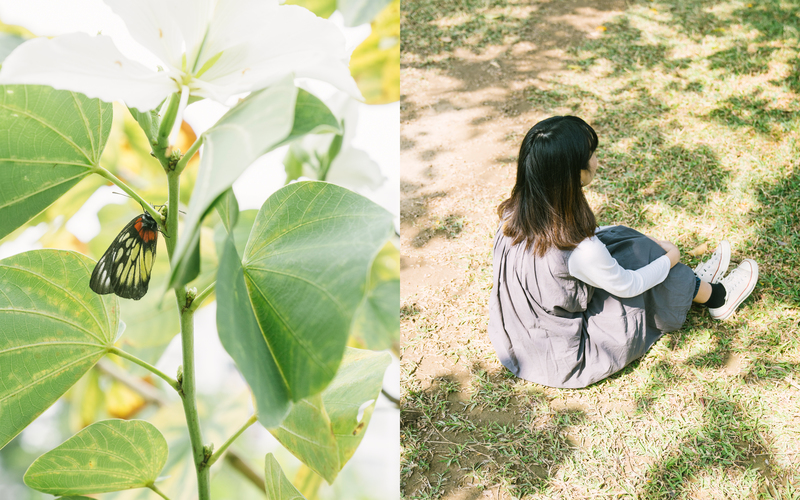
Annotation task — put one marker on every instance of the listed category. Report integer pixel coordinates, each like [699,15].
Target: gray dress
[553,329]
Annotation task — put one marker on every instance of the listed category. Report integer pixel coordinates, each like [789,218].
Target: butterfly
[125,267]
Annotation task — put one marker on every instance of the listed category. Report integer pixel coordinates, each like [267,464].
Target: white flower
[213,48]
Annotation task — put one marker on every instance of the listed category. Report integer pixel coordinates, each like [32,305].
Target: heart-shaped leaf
[53,326]
[324,431]
[109,455]
[51,140]
[306,267]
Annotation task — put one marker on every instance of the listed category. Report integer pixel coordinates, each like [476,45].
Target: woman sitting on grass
[573,303]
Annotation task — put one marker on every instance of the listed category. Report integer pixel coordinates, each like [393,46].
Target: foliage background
[71,224]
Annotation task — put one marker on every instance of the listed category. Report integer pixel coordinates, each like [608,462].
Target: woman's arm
[592,263]
[672,251]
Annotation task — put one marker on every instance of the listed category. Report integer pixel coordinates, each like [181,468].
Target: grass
[696,105]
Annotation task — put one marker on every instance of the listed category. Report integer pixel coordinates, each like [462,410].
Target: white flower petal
[153,23]
[335,73]
[89,65]
[355,170]
[260,44]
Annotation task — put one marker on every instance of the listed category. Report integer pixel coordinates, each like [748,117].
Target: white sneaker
[714,268]
[738,286]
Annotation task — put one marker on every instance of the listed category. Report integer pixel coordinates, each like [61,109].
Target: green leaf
[311,116]
[241,232]
[149,121]
[228,209]
[261,122]
[51,140]
[241,336]
[74,497]
[293,162]
[306,267]
[278,487]
[220,416]
[54,326]
[109,455]
[377,323]
[324,431]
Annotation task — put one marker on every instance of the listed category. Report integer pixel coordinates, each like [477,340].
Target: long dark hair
[547,207]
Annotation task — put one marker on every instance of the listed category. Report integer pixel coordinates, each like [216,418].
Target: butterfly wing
[125,267]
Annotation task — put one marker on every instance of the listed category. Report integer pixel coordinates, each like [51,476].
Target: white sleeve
[591,263]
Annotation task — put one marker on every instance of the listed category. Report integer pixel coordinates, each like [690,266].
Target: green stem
[221,450]
[157,491]
[144,364]
[133,194]
[168,120]
[188,156]
[187,348]
[198,300]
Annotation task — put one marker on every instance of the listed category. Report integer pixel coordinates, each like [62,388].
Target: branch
[221,450]
[390,397]
[244,468]
[188,155]
[198,300]
[149,393]
[102,172]
[157,491]
[144,364]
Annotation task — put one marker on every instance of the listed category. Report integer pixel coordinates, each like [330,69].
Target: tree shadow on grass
[495,438]
[755,112]
[730,440]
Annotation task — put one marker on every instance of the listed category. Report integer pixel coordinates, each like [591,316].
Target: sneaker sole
[724,313]
[724,261]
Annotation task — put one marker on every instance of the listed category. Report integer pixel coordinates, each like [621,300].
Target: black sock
[717,298]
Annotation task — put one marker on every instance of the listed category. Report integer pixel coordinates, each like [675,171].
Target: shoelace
[703,267]
[734,278]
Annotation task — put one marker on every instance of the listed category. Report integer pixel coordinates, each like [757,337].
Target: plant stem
[187,347]
[168,120]
[238,463]
[158,492]
[188,156]
[144,364]
[133,194]
[221,450]
[198,300]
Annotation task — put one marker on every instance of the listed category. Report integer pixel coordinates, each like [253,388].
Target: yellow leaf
[86,401]
[699,250]
[122,402]
[375,64]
